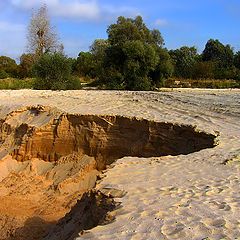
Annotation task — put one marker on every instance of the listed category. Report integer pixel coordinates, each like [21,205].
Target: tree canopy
[132,55]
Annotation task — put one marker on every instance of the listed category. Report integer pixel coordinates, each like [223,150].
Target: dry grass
[201,83]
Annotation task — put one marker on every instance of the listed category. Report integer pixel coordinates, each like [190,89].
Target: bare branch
[41,37]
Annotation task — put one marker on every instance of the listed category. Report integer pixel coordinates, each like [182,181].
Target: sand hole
[51,159]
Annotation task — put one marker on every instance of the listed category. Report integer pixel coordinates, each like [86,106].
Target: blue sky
[79,22]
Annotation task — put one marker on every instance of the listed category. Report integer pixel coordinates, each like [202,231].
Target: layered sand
[194,196]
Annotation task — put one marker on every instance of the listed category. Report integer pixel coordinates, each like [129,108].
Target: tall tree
[128,29]
[217,52]
[132,55]
[41,35]
[184,60]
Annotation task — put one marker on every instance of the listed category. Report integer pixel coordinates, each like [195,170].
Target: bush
[73,83]
[15,84]
[3,74]
[53,71]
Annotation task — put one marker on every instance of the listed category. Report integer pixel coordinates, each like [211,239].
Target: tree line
[133,57]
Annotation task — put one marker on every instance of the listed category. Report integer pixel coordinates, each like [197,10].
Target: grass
[28,83]
[15,84]
[201,83]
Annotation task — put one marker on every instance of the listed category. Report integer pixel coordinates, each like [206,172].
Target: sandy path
[195,196]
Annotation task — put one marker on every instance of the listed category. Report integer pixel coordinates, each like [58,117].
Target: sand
[193,196]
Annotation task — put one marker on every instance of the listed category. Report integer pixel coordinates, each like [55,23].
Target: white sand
[183,197]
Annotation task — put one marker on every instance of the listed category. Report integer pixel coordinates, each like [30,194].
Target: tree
[164,68]
[8,67]
[140,60]
[215,51]
[3,74]
[222,56]
[184,60]
[53,71]
[98,51]
[204,70]
[131,55]
[157,37]
[237,60]
[85,65]
[41,35]
[99,47]
[128,29]
[26,63]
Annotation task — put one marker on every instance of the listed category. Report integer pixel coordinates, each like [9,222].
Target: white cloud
[77,9]
[161,22]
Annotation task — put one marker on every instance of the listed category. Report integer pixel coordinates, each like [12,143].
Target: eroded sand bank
[193,196]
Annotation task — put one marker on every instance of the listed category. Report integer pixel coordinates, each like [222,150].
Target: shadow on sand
[90,211]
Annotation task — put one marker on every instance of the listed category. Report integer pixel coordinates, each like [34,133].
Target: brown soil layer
[51,159]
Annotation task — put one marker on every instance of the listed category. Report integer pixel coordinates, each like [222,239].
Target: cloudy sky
[79,22]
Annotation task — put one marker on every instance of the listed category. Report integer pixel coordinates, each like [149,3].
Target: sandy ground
[194,196]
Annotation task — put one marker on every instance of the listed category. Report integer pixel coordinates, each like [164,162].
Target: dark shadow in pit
[34,229]
[90,211]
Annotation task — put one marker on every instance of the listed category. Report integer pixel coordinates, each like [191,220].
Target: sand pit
[49,159]
[171,159]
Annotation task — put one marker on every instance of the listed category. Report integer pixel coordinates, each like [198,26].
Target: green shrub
[3,74]
[53,71]
[15,84]
[73,83]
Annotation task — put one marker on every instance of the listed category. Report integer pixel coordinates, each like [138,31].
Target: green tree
[85,65]
[128,29]
[204,70]
[53,71]
[223,58]
[132,55]
[98,51]
[184,60]
[3,74]
[140,60]
[217,52]
[237,60]
[98,48]
[164,68]
[9,66]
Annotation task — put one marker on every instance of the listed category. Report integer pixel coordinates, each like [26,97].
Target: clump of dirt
[50,160]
